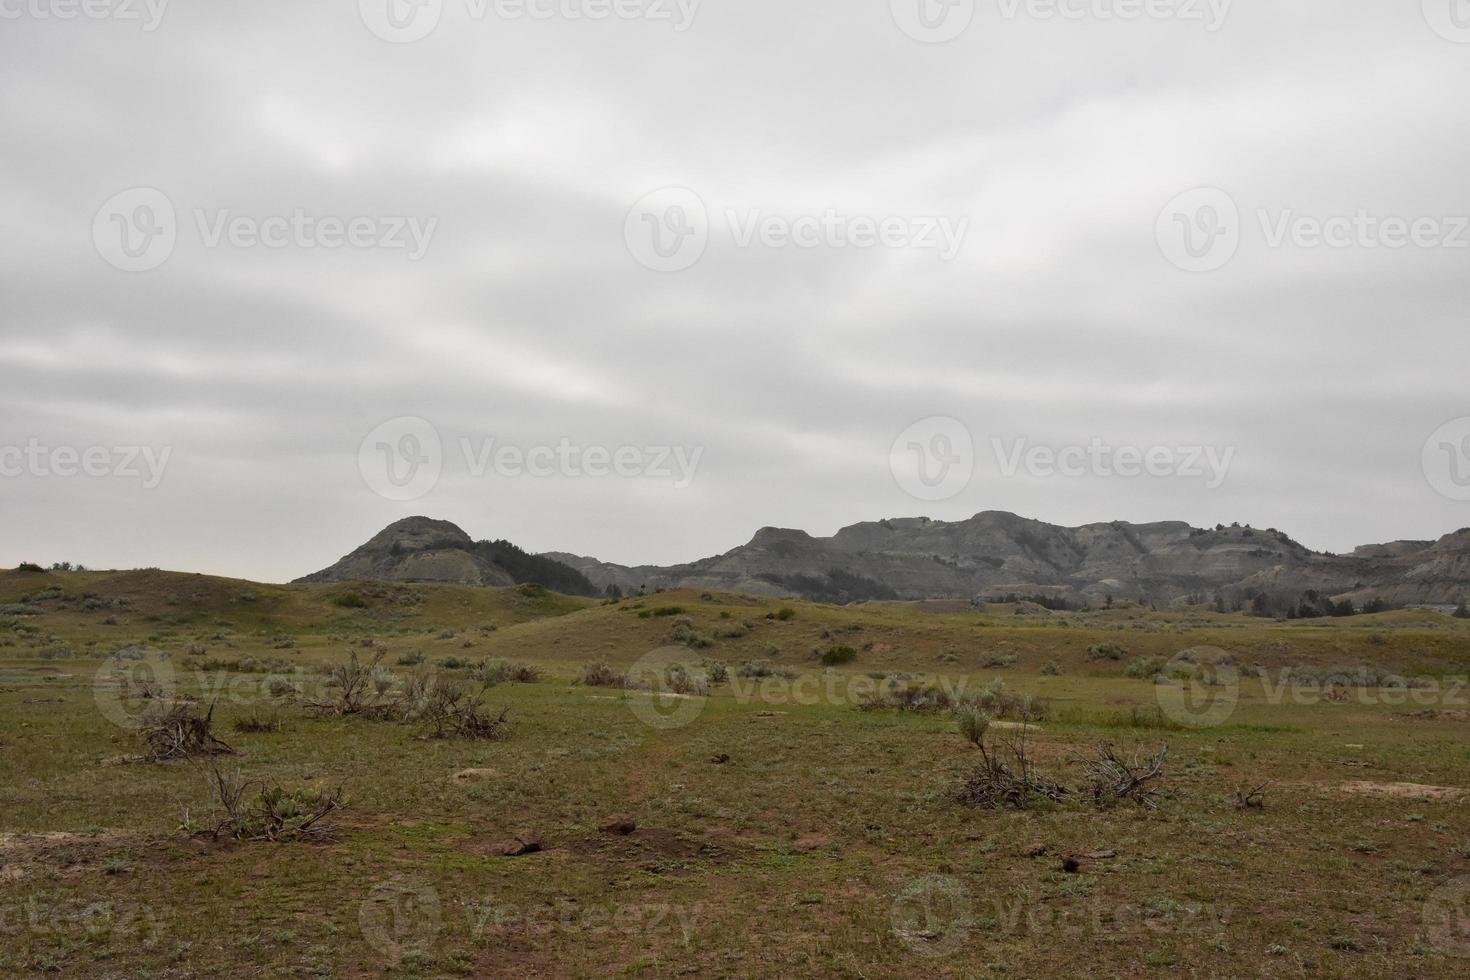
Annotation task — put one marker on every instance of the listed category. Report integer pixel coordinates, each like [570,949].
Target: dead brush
[270,814]
[1251,799]
[176,730]
[357,688]
[449,710]
[1111,779]
[1006,777]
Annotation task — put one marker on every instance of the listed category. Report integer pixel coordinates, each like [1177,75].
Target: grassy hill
[786,823]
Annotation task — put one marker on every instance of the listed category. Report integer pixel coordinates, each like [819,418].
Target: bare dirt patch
[21,855]
[652,849]
[1405,791]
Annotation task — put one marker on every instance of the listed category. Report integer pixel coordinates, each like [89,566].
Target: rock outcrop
[419,549]
[996,554]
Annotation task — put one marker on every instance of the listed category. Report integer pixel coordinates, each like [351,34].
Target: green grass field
[781,830]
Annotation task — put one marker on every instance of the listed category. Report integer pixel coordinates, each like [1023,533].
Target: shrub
[717,671]
[785,613]
[759,668]
[350,600]
[1144,668]
[493,672]
[1110,779]
[996,701]
[176,730]
[29,567]
[997,662]
[410,659]
[273,814]
[1106,651]
[973,724]
[356,688]
[602,674]
[685,633]
[1051,668]
[839,655]
[1006,777]
[451,711]
[680,681]
[258,723]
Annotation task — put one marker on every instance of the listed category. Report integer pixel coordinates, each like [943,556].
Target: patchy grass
[776,830]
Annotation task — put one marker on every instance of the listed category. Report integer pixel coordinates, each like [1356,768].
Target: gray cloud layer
[528,320]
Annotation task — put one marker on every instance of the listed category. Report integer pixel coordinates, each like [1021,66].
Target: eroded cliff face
[996,553]
[416,549]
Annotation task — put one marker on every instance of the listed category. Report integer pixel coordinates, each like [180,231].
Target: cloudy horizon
[636,285]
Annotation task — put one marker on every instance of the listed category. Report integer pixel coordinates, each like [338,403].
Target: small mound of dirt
[474,775]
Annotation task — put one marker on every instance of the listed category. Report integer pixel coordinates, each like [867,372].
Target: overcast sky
[144,149]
